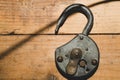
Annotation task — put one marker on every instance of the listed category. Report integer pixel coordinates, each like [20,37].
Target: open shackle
[74,8]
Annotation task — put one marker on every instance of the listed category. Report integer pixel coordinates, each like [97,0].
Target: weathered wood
[28,57]
[28,16]
[33,58]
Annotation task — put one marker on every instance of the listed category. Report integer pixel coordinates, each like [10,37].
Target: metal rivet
[82,63]
[81,37]
[76,53]
[60,59]
[94,62]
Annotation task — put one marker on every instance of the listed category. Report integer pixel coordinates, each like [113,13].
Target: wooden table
[27,40]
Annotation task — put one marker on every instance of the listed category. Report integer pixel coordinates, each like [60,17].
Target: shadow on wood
[2,55]
[7,52]
[101,2]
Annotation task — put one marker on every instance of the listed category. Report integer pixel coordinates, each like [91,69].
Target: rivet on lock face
[82,63]
[76,53]
[94,62]
[79,58]
[81,37]
[60,59]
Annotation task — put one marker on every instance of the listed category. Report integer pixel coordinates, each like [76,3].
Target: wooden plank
[32,57]
[28,16]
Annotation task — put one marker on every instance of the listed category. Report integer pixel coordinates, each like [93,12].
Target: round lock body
[78,59]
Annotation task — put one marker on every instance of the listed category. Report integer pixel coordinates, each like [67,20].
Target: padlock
[79,58]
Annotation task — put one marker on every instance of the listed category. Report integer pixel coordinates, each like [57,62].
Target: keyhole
[75,56]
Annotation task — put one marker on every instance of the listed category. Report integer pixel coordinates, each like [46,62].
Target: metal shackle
[73,9]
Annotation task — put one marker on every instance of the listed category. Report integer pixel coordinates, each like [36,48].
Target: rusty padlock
[79,58]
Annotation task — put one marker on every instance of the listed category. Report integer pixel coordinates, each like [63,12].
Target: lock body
[77,59]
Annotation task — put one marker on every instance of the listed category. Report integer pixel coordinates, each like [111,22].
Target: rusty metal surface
[82,70]
[79,58]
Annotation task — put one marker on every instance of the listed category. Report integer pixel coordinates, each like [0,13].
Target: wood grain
[28,56]
[28,16]
[34,59]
